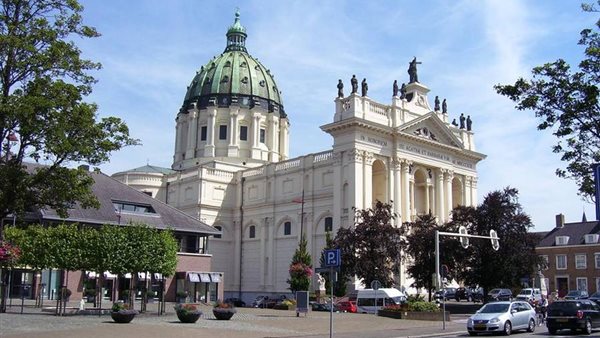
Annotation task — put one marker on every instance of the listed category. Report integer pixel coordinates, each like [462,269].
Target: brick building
[572,253]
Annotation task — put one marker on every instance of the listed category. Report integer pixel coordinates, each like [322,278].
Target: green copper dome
[234,78]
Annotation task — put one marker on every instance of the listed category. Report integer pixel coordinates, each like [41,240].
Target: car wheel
[531,326]
[588,327]
[471,333]
[552,330]
[507,328]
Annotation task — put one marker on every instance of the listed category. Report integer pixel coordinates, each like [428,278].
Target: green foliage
[423,307]
[566,102]
[301,268]
[43,81]
[415,298]
[372,249]
[516,256]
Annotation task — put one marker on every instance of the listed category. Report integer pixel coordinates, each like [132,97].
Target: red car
[347,307]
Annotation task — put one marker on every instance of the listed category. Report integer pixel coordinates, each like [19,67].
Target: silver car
[502,317]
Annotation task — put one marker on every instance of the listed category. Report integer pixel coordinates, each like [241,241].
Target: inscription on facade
[424,152]
[373,140]
[463,164]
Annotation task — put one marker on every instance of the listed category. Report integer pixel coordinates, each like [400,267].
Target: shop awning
[204,277]
[127,275]
[109,275]
[158,276]
[141,275]
[90,274]
[193,277]
[215,277]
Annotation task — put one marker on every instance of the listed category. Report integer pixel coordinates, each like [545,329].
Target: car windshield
[525,292]
[594,295]
[397,300]
[495,291]
[494,308]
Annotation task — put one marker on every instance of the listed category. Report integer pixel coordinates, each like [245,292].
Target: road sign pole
[331,309]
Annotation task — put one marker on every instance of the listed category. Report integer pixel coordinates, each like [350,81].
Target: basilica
[231,167]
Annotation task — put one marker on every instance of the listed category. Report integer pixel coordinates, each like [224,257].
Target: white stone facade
[403,152]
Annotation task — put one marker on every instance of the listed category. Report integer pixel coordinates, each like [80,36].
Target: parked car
[504,317]
[499,294]
[580,314]
[595,297]
[236,302]
[260,301]
[577,294]
[468,294]
[530,295]
[323,307]
[448,293]
[347,306]
[272,301]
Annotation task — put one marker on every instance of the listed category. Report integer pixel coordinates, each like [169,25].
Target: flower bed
[122,314]
[414,310]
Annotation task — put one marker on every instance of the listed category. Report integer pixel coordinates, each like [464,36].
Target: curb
[441,334]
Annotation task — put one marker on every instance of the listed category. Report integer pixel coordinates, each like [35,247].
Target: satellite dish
[494,239]
[464,241]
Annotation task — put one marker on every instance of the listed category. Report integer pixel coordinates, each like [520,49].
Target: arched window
[287,228]
[328,224]
[220,229]
[252,231]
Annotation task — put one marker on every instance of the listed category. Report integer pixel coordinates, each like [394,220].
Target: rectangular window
[580,262]
[220,229]
[561,262]
[223,132]
[561,240]
[597,259]
[203,133]
[328,224]
[243,133]
[545,263]
[582,284]
[252,231]
[262,135]
[287,228]
[597,284]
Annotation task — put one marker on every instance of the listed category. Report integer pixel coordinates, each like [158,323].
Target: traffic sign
[375,284]
[332,258]
[464,241]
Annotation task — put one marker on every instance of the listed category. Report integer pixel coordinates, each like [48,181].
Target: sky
[150,51]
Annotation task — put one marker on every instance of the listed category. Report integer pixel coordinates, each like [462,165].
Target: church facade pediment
[431,128]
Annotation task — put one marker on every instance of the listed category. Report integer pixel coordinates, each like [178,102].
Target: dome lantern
[236,35]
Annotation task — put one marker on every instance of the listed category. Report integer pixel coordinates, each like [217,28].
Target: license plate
[480,326]
[562,320]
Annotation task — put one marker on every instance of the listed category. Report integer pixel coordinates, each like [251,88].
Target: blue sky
[151,49]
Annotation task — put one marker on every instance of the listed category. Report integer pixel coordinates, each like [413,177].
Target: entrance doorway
[562,284]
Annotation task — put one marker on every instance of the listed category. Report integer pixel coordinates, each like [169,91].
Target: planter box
[123,317]
[223,314]
[188,317]
[433,316]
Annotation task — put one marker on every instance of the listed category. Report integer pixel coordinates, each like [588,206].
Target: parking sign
[332,258]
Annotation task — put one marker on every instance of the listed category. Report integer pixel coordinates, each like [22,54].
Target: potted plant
[181,296]
[90,295]
[121,313]
[150,294]
[67,294]
[223,311]
[187,313]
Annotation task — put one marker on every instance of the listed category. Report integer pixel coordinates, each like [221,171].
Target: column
[474,191]
[273,138]
[338,181]
[209,148]
[367,181]
[356,187]
[255,151]
[466,190]
[405,167]
[192,134]
[427,205]
[234,147]
[397,189]
[439,192]
[448,179]
[178,133]
[237,242]
[283,139]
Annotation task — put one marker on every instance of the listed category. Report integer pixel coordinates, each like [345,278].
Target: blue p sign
[332,258]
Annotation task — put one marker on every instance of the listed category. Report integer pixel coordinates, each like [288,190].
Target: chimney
[560,220]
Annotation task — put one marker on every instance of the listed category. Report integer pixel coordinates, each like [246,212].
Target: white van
[369,300]
[530,294]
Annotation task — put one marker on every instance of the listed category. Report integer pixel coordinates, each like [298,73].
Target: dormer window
[128,207]
[561,240]
[591,238]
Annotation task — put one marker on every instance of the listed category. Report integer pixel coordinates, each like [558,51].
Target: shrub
[423,307]
[181,294]
[122,308]
[67,293]
[90,292]
[186,308]
[415,298]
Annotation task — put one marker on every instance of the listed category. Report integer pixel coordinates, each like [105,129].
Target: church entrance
[379,183]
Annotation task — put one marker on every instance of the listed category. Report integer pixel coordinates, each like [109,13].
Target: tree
[372,250]
[300,268]
[43,118]
[566,102]
[421,250]
[516,257]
